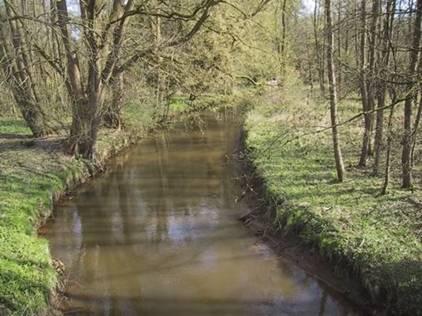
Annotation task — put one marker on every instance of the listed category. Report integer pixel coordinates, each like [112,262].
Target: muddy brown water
[159,234]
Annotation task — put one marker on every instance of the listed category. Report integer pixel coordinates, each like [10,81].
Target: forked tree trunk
[83,132]
[333,92]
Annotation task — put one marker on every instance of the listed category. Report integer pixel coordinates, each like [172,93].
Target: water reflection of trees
[156,196]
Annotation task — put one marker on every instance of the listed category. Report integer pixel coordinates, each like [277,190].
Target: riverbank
[34,174]
[376,239]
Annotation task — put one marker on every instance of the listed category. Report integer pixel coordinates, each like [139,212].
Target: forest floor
[378,238]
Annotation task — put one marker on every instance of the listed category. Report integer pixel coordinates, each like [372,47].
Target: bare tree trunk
[333,92]
[388,154]
[112,117]
[419,111]
[17,68]
[83,132]
[339,65]
[372,82]
[408,131]
[364,89]
[319,49]
[158,88]
[283,36]
[381,88]
[88,97]
[416,125]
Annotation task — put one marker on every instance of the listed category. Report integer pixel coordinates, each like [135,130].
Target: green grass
[31,172]
[13,126]
[377,238]
[28,178]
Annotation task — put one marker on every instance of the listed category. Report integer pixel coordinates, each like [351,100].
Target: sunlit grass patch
[31,172]
[378,237]
[14,126]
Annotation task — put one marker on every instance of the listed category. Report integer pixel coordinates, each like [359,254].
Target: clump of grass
[13,126]
[377,237]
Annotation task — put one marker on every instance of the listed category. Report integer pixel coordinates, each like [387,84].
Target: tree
[333,91]
[410,97]
[18,68]
[383,64]
[87,82]
[366,141]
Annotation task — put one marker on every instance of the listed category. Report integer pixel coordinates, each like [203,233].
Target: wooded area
[71,68]
[78,59]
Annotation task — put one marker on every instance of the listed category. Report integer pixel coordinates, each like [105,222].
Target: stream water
[158,234]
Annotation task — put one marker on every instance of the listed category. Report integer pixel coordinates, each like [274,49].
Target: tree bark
[382,86]
[364,89]
[372,80]
[410,97]
[333,92]
[388,154]
[319,56]
[112,117]
[283,36]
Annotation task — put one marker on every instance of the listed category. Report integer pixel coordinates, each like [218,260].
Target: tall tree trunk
[388,154]
[372,82]
[283,36]
[382,86]
[339,34]
[319,53]
[410,97]
[419,111]
[364,89]
[85,100]
[333,91]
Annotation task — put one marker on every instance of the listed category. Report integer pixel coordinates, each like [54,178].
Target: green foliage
[178,105]
[378,237]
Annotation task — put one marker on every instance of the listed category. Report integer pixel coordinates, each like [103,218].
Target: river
[158,234]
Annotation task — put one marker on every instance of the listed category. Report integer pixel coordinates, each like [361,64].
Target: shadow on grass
[24,143]
[14,136]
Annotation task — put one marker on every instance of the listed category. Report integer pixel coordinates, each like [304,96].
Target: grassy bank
[33,174]
[376,238]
